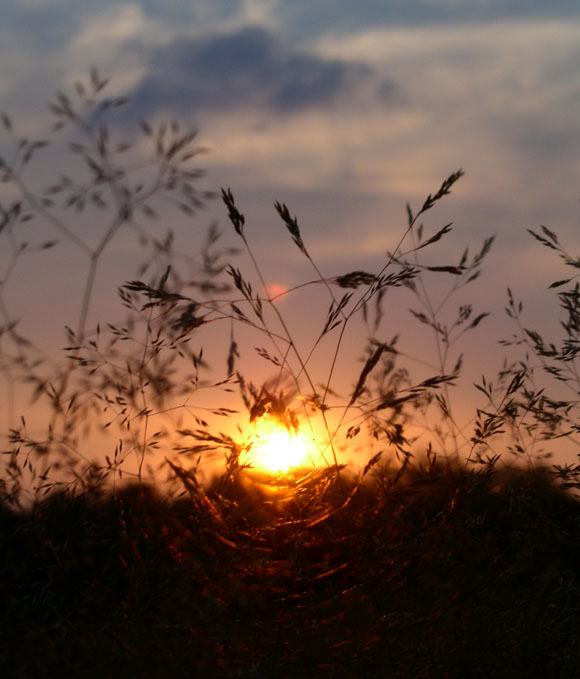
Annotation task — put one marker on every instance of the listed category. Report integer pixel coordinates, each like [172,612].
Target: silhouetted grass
[439,559]
[447,574]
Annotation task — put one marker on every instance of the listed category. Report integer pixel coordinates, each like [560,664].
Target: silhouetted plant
[544,407]
[438,559]
[115,185]
[132,372]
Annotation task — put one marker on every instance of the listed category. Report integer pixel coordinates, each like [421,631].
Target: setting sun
[277,450]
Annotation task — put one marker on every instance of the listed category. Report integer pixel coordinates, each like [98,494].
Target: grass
[451,554]
[447,574]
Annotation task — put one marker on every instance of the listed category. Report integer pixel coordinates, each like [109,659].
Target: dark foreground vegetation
[440,573]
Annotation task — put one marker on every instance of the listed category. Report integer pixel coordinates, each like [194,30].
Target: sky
[345,112]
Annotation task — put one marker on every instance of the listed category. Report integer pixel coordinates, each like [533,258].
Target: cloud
[341,17]
[246,69]
[497,94]
[114,27]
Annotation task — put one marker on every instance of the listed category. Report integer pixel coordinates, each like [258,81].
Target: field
[444,573]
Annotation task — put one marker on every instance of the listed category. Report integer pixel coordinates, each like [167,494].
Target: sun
[277,450]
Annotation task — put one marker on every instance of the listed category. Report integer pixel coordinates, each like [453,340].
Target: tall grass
[452,552]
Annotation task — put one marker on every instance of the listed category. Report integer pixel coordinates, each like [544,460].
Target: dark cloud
[246,69]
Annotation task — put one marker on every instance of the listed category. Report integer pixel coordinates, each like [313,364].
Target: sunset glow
[277,450]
